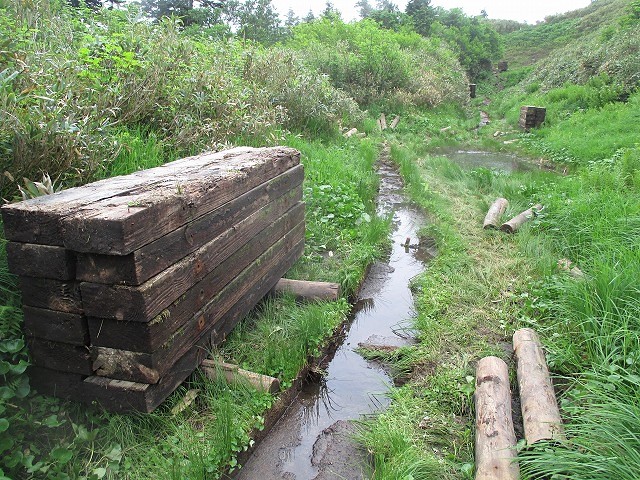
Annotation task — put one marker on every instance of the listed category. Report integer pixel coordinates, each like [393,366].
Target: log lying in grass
[516,222]
[351,133]
[492,220]
[233,373]
[495,437]
[395,122]
[309,291]
[540,414]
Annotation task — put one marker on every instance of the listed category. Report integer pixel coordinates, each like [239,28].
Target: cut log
[540,414]
[42,261]
[492,220]
[59,356]
[309,291]
[39,220]
[142,303]
[495,437]
[153,258]
[233,373]
[395,122]
[51,294]
[55,326]
[123,224]
[234,300]
[516,222]
[383,122]
[351,133]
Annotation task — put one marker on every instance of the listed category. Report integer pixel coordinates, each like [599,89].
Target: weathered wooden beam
[309,291]
[43,261]
[495,437]
[513,225]
[383,121]
[395,122]
[119,395]
[123,224]
[55,326]
[235,297]
[142,303]
[39,220]
[62,296]
[149,336]
[60,356]
[142,264]
[55,383]
[492,219]
[233,373]
[540,413]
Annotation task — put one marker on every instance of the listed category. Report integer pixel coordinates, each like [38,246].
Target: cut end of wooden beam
[233,373]
[308,291]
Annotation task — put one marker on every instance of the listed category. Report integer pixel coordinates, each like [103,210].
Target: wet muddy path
[312,438]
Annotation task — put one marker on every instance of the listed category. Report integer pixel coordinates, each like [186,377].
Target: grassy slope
[486,285]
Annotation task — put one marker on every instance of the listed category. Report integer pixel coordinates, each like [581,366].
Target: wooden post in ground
[495,437]
[310,291]
[513,225]
[492,220]
[540,414]
[232,373]
[472,90]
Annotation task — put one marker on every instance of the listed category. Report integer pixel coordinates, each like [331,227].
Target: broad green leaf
[4,425]
[61,454]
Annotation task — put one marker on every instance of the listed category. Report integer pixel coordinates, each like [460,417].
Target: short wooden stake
[233,373]
[308,291]
[513,225]
[495,437]
[540,413]
[383,122]
[492,220]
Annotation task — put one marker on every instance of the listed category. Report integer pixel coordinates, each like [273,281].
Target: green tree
[190,12]
[310,17]
[389,16]
[422,15]
[330,11]
[365,9]
[256,20]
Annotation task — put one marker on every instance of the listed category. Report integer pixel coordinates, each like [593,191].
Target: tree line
[474,38]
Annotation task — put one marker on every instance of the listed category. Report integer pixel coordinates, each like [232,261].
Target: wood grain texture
[39,220]
[150,367]
[43,261]
[62,296]
[142,264]
[56,326]
[513,225]
[122,224]
[497,208]
[143,303]
[60,356]
[124,396]
[308,291]
[495,437]
[540,413]
[54,383]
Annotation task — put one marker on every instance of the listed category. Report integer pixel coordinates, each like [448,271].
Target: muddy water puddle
[496,161]
[312,438]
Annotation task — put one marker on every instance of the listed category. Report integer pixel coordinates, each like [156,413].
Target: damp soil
[313,437]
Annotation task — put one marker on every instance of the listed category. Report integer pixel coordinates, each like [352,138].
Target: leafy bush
[372,64]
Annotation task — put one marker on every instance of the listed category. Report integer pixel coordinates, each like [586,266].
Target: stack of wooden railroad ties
[127,282]
[531,117]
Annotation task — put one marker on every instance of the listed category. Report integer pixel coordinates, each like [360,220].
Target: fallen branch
[492,220]
[540,414]
[495,437]
[233,373]
[309,291]
[516,222]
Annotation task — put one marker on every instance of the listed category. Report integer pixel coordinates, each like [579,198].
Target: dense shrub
[371,63]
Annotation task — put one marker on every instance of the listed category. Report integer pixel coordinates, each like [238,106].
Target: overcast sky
[529,11]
